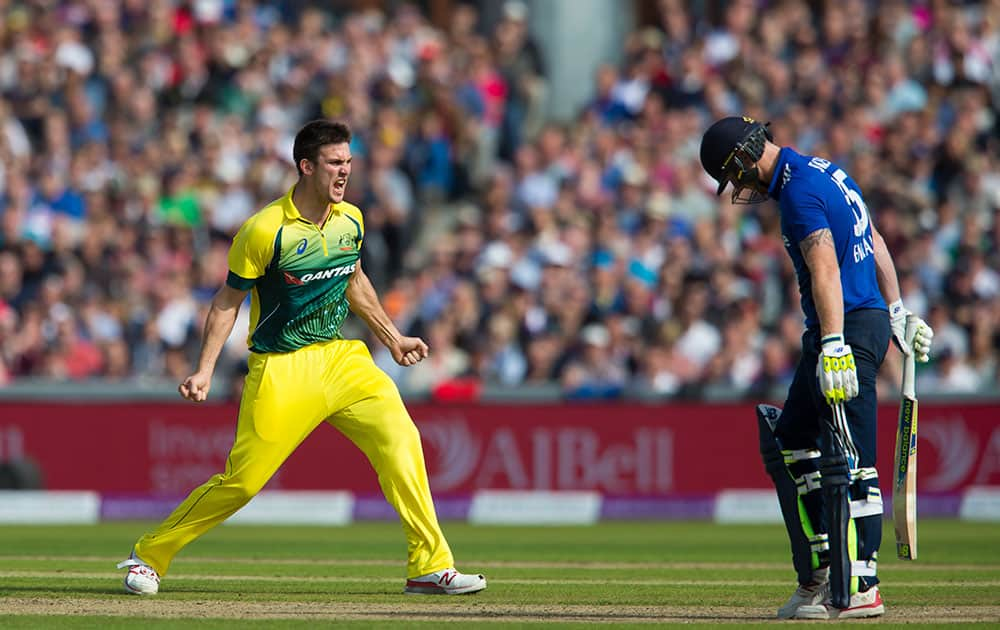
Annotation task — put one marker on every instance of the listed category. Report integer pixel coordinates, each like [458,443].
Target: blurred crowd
[590,253]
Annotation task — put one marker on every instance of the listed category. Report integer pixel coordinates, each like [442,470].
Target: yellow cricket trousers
[285,397]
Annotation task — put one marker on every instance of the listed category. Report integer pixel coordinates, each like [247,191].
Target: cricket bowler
[299,258]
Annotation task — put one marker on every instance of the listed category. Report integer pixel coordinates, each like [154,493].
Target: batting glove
[835,369]
[897,321]
[923,334]
[901,320]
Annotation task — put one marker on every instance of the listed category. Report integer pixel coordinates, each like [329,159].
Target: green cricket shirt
[297,273]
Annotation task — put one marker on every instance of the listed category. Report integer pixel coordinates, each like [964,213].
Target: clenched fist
[409,351]
[196,386]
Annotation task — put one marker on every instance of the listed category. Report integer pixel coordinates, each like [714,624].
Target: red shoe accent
[874,604]
[873,609]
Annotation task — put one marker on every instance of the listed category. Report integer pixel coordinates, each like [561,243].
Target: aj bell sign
[616,449]
[546,457]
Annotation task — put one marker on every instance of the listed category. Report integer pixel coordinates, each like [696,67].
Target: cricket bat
[904,486]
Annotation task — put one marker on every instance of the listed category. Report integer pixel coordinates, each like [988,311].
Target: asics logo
[326,274]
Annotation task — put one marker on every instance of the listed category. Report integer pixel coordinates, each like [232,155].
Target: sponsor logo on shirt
[325,274]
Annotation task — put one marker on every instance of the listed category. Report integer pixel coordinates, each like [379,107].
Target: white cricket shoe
[141,578]
[815,593]
[867,604]
[445,582]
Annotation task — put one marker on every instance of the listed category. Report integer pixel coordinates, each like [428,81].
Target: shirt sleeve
[806,212]
[249,255]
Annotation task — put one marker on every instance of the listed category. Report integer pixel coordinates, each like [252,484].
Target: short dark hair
[315,134]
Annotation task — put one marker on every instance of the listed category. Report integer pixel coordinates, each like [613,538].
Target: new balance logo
[326,274]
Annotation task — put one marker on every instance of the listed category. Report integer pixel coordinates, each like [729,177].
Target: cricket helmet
[730,150]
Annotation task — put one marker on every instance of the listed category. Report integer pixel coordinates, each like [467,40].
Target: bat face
[904,488]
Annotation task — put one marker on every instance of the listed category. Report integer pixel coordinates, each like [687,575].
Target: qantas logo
[326,274]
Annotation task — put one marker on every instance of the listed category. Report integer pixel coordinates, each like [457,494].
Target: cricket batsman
[300,259]
[820,448]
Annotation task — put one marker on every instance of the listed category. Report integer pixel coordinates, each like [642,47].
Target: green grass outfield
[617,574]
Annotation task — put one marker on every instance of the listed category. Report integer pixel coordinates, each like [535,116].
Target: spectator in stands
[597,371]
[134,140]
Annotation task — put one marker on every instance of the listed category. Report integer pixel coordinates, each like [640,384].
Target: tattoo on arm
[820,236]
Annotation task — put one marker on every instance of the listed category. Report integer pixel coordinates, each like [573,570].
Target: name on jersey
[862,249]
[325,274]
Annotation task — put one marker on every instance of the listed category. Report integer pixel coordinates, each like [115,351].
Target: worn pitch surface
[619,574]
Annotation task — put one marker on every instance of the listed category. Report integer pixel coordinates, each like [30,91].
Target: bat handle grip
[910,363]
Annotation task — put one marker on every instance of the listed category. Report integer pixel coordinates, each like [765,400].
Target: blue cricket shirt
[814,193]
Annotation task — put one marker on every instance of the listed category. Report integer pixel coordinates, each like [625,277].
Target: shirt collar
[291,212]
[778,179]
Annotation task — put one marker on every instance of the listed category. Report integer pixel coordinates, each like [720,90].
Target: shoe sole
[811,612]
[876,610]
[789,612]
[434,589]
[822,612]
[786,614]
[132,591]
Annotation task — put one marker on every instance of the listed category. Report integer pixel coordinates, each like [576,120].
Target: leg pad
[808,551]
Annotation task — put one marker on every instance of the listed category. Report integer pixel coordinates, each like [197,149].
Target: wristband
[833,339]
